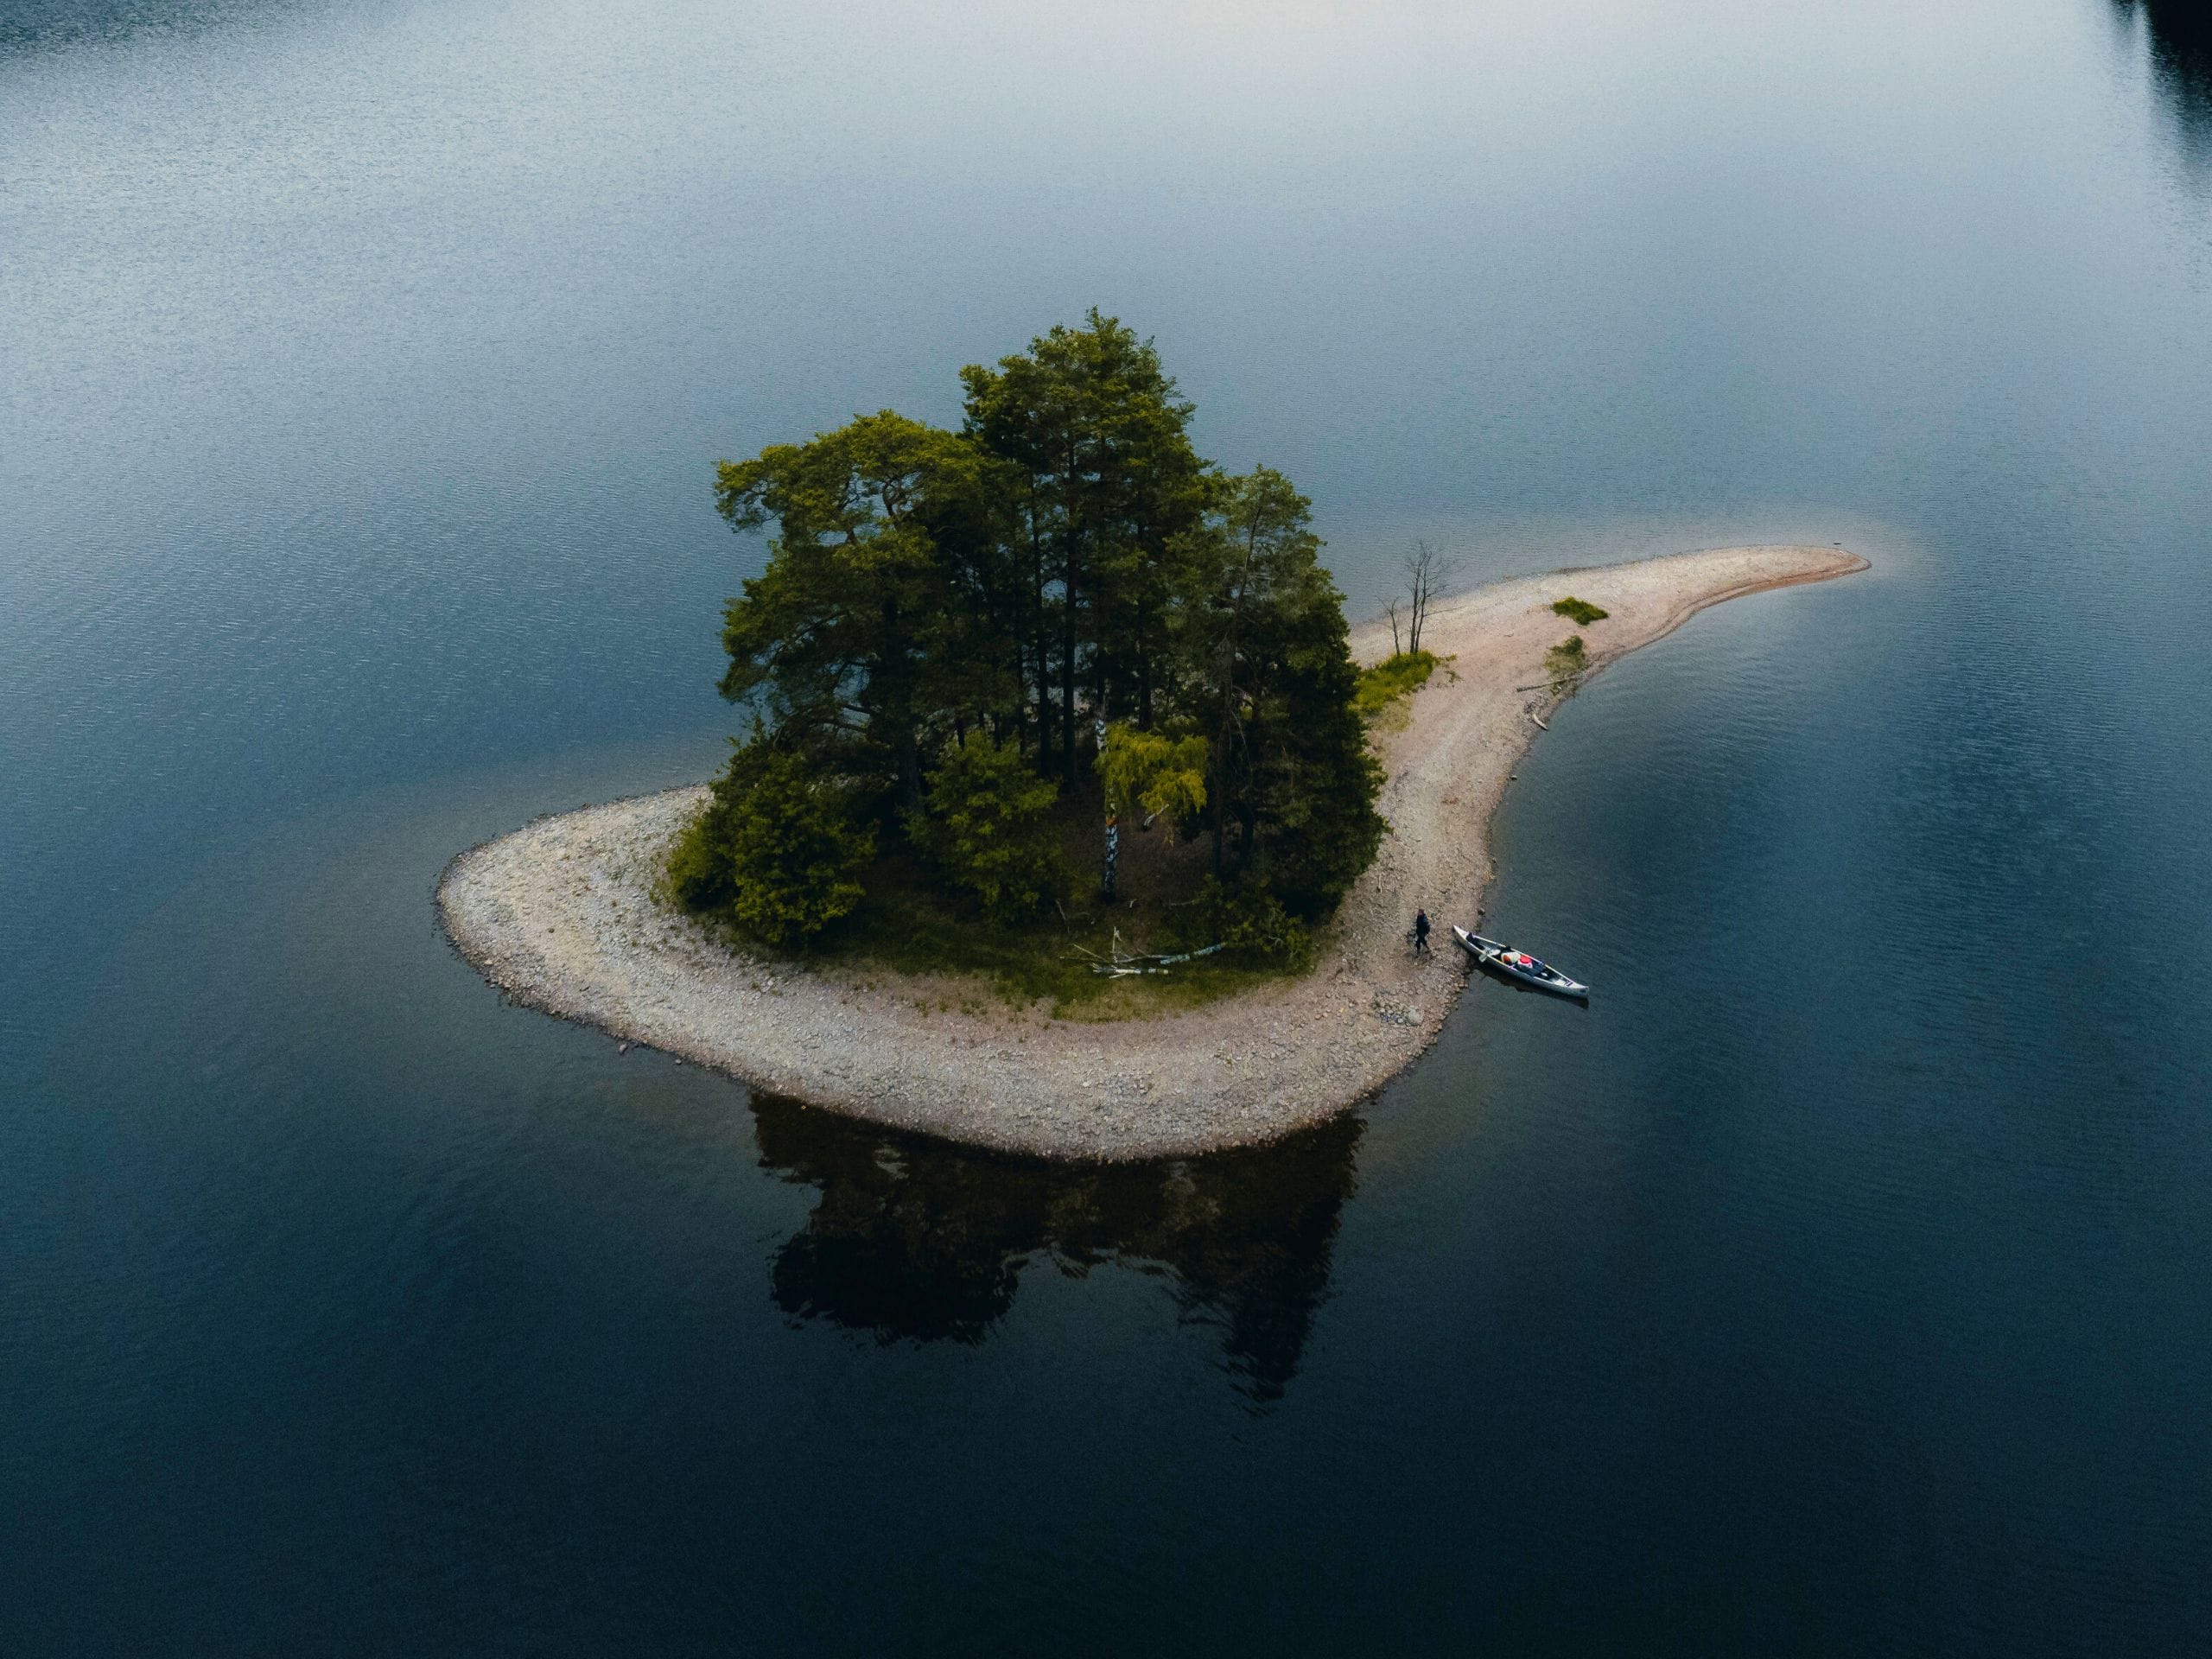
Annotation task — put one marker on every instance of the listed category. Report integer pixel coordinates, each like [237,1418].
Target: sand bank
[560,916]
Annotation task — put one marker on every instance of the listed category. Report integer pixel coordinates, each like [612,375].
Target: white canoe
[1517,964]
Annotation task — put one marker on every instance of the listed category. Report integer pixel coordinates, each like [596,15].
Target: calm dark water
[1838,1282]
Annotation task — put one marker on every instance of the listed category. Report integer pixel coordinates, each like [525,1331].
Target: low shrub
[1390,679]
[777,852]
[1244,917]
[1566,664]
[1580,611]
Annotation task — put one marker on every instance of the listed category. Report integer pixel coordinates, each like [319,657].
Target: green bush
[699,872]
[1246,918]
[1580,611]
[987,827]
[1390,679]
[1566,664]
[779,851]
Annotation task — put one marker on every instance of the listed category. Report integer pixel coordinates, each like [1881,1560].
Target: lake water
[1840,1282]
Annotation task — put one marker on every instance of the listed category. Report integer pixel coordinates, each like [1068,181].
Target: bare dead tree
[1427,571]
[1396,649]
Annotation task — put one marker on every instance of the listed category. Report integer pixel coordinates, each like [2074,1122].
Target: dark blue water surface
[1840,1282]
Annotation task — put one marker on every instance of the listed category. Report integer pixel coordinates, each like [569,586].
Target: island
[1069,817]
[564,916]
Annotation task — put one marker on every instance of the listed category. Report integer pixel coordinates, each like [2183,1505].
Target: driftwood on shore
[1122,964]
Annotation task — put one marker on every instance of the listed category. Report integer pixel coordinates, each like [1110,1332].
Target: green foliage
[1065,562]
[1581,611]
[1390,679]
[1315,805]
[778,852]
[1246,918]
[1268,667]
[987,827]
[699,873]
[852,642]
[1566,664]
[1165,776]
[906,926]
[1103,486]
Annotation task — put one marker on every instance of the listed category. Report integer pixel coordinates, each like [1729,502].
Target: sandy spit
[559,915]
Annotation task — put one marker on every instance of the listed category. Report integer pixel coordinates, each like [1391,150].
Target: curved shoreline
[559,915]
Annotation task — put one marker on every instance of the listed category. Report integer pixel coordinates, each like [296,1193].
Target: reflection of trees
[918,1239]
[2181,57]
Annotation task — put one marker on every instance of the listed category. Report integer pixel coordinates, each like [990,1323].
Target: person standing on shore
[1421,932]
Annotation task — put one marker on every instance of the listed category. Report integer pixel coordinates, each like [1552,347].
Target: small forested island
[1064,818]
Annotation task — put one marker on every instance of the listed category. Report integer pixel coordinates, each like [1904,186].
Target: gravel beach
[560,916]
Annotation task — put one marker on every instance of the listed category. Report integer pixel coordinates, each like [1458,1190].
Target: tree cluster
[956,630]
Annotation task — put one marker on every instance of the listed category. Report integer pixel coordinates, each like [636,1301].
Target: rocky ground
[560,916]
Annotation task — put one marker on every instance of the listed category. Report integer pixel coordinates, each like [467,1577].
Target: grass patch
[1580,611]
[908,929]
[1391,678]
[1566,664]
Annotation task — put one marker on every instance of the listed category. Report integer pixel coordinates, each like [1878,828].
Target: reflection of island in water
[916,1239]
[2181,58]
